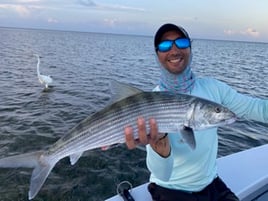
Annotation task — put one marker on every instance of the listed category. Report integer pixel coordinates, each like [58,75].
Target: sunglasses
[166,45]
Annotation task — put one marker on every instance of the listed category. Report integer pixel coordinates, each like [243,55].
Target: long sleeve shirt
[192,170]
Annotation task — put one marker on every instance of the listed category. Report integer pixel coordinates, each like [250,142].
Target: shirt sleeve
[159,166]
[242,105]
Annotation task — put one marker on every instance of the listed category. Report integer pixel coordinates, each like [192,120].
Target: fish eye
[217,109]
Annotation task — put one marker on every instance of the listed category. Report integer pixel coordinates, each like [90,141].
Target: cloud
[87,3]
[127,8]
[247,32]
[27,1]
[114,7]
[251,32]
[52,20]
[229,32]
[110,22]
[16,2]
[21,10]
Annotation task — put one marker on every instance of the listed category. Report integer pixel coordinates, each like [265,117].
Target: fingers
[143,138]
[159,143]
[130,142]
[153,130]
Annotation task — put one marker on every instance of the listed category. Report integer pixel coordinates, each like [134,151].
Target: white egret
[44,79]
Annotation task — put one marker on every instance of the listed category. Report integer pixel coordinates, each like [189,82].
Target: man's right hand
[159,143]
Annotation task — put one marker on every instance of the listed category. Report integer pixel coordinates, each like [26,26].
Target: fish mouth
[225,122]
[230,121]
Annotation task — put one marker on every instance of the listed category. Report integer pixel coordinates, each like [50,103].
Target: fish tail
[37,160]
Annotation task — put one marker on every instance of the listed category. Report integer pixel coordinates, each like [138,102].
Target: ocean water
[81,65]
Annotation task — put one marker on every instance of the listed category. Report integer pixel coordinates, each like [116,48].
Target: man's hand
[158,141]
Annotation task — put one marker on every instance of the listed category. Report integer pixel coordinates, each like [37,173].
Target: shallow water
[81,65]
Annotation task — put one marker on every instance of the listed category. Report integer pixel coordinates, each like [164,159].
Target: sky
[242,20]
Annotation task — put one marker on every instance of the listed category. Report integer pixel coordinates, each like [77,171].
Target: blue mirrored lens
[165,45]
[180,43]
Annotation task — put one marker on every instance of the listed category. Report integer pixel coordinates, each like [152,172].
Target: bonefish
[174,113]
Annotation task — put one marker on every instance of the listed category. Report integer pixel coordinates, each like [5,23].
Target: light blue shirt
[192,170]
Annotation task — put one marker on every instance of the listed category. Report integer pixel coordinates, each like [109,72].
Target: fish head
[207,114]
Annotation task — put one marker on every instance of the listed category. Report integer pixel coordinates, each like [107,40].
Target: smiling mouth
[175,60]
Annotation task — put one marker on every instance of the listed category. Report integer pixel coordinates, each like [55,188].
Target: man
[177,172]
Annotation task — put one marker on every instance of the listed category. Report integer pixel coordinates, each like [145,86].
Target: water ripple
[82,64]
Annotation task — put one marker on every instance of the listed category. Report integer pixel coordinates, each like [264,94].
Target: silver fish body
[173,113]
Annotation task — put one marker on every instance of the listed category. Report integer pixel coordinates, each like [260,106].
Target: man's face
[174,60]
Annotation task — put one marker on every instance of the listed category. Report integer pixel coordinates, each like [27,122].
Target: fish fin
[41,164]
[29,160]
[188,136]
[39,175]
[120,90]
[75,157]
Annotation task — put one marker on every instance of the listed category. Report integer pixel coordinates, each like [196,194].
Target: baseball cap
[168,27]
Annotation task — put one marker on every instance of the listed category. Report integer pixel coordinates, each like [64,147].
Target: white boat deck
[245,172]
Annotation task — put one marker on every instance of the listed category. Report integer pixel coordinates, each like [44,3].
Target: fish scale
[106,127]
[173,113]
